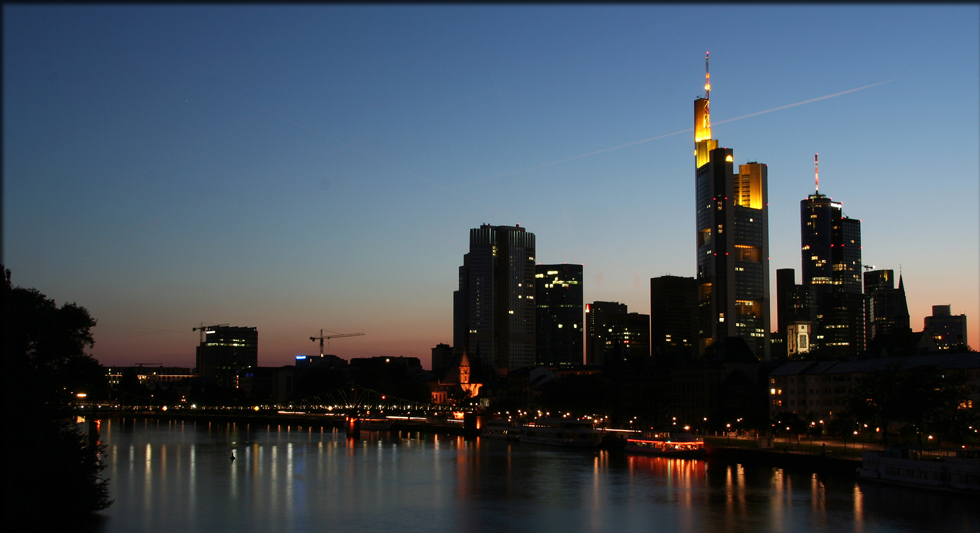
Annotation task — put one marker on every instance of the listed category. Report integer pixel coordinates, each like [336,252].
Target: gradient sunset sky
[304,167]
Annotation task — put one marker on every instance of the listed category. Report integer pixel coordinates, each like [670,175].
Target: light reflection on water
[178,476]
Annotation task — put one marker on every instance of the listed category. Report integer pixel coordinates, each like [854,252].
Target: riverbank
[299,420]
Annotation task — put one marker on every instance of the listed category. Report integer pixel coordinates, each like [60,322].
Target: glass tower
[732,242]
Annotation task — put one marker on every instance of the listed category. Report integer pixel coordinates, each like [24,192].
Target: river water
[174,476]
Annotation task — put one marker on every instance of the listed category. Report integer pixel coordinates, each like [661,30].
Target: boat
[501,429]
[376,424]
[667,444]
[561,432]
[955,470]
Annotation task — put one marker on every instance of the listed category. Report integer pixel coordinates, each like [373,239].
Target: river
[174,476]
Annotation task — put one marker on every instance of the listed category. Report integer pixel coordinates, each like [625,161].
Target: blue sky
[304,167]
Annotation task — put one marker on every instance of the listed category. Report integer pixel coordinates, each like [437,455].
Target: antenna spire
[707,79]
[816,172]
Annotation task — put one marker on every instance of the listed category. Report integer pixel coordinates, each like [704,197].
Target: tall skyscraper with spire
[732,241]
[831,254]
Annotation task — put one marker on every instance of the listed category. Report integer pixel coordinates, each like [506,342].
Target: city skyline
[318,167]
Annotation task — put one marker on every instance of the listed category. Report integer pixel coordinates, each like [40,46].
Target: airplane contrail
[567,159]
[801,103]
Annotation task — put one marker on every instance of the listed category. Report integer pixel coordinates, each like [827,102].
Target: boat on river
[932,468]
[501,429]
[667,444]
[561,432]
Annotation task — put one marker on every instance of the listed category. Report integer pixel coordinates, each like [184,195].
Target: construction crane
[334,336]
[202,327]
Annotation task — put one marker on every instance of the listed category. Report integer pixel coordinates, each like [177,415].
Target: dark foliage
[50,470]
[919,400]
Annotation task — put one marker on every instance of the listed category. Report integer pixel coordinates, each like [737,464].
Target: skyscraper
[831,243]
[493,310]
[732,241]
[559,318]
[831,255]
[673,318]
[628,338]
[887,309]
[795,311]
[225,351]
[598,325]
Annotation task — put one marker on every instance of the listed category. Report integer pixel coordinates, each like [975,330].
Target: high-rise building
[886,308]
[831,244]
[559,317]
[793,302]
[732,242]
[948,330]
[673,318]
[628,338]
[225,351]
[597,324]
[831,255]
[493,310]
[442,357]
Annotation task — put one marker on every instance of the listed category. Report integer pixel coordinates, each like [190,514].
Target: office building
[831,257]
[794,302]
[559,314]
[493,310]
[442,357]
[628,338]
[224,352]
[673,318]
[597,324]
[732,242]
[886,308]
[948,330]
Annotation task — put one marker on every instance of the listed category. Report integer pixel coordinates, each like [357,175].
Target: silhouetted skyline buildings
[559,315]
[948,330]
[225,351]
[830,248]
[598,323]
[673,318]
[493,310]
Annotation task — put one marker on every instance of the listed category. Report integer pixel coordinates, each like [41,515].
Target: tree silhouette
[50,471]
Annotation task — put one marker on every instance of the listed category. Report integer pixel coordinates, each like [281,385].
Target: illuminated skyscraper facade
[493,310]
[732,242]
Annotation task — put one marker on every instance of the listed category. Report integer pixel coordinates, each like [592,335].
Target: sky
[298,168]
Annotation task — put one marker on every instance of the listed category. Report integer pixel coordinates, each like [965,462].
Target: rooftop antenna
[816,172]
[707,79]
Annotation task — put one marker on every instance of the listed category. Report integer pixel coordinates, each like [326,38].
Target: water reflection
[178,476]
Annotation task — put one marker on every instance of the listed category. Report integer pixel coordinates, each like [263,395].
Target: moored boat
[501,429]
[666,444]
[931,468]
[561,432]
